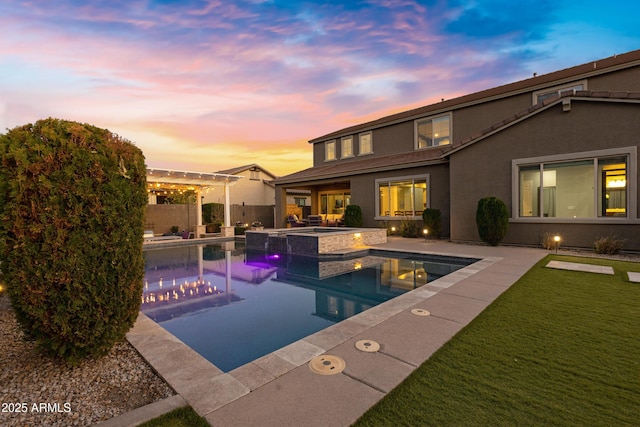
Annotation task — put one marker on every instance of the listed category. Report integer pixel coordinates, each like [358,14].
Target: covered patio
[165,182]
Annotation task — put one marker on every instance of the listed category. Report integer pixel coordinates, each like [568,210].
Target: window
[433,132]
[334,203]
[543,94]
[347,146]
[300,201]
[255,174]
[402,197]
[366,143]
[330,150]
[584,187]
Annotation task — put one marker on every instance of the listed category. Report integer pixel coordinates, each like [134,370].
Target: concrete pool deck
[279,389]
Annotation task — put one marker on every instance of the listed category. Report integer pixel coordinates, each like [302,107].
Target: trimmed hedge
[492,219]
[353,216]
[432,220]
[72,203]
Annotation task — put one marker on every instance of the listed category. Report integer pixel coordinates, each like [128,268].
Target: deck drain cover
[420,312]
[368,346]
[327,365]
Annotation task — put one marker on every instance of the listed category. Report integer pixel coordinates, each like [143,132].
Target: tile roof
[239,169]
[533,83]
[343,169]
[339,168]
[534,109]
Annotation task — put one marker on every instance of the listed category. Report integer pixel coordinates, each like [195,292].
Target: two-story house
[560,149]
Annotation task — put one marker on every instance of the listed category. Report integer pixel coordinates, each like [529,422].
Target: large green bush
[72,202]
[492,219]
[432,219]
[353,216]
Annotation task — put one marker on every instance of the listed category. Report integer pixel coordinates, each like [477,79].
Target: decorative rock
[94,391]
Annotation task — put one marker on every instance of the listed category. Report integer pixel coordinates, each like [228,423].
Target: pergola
[167,181]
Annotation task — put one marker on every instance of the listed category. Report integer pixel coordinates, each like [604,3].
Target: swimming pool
[233,305]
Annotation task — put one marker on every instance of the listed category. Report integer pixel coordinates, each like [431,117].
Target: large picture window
[579,188]
[402,197]
[334,203]
[433,132]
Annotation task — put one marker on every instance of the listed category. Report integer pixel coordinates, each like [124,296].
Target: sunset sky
[206,85]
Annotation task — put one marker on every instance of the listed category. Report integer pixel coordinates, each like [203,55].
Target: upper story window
[255,175]
[433,131]
[543,94]
[346,145]
[330,150]
[366,143]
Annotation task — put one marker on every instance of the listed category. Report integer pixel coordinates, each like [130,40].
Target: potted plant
[257,225]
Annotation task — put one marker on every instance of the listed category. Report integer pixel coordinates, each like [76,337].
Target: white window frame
[346,141]
[425,177]
[557,90]
[330,146]
[365,153]
[416,123]
[632,185]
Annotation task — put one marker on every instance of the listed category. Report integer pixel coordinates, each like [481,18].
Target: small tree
[72,203]
[353,216]
[492,219]
[432,219]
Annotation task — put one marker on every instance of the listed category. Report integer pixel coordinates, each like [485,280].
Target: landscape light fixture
[556,239]
[425,232]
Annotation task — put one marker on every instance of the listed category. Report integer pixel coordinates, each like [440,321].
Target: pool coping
[209,390]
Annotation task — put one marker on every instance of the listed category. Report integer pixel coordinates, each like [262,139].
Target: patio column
[227,229]
[200,229]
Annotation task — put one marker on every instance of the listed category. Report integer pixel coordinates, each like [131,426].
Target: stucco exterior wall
[485,168]
[364,192]
[247,190]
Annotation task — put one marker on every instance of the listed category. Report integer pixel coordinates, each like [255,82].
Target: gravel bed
[49,393]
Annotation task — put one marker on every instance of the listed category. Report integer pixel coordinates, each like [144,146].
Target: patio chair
[295,222]
[314,220]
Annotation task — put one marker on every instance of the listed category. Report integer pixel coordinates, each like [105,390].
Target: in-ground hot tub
[314,241]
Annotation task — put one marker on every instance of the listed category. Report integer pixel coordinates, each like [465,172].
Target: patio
[283,380]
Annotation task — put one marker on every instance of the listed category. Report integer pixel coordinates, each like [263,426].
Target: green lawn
[557,348]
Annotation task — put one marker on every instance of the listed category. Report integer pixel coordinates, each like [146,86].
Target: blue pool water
[233,306]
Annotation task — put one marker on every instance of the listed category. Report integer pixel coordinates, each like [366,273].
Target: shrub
[492,220]
[212,213]
[353,216]
[409,228]
[609,245]
[72,203]
[432,219]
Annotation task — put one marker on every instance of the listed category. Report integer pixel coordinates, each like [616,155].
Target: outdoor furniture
[293,221]
[331,220]
[314,220]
